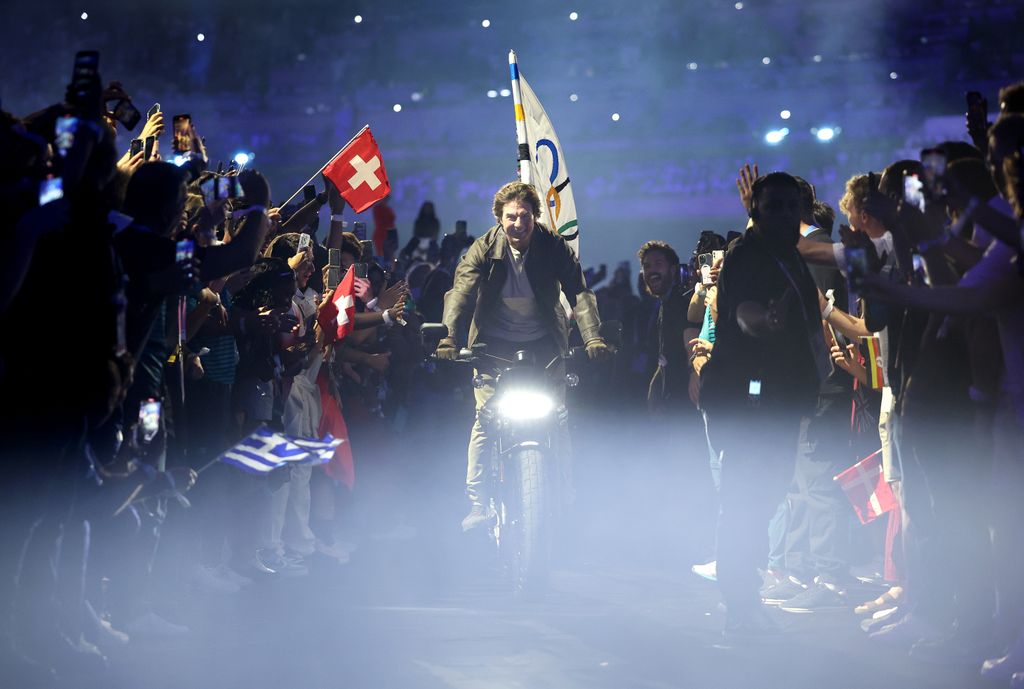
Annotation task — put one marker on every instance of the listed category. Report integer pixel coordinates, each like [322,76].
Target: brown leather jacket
[551,268]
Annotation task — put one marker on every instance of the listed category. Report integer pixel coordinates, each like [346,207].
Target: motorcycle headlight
[525,405]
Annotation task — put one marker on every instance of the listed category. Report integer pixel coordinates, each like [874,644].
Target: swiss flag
[866,488]
[338,317]
[358,172]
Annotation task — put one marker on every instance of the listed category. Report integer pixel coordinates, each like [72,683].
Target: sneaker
[784,590]
[334,551]
[207,580]
[906,631]
[1005,666]
[105,634]
[752,625]
[227,574]
[152,625]
[708,570]
[282,565]
[821,597]
[478,516]
[879,619]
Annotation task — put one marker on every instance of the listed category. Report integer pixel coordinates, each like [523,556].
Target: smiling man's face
[659,273]
[517,221]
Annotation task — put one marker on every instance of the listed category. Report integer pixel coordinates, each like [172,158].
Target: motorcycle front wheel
[527,518]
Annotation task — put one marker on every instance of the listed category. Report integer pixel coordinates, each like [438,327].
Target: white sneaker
[227,574]
[208,580]
[152,625]
[335,551]
[708,570]
[106,634]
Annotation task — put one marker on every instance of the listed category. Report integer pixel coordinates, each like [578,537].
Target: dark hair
[152,190]
[824,216]
[658,245]
[973,176]
[891,181]
[772,179]
[807,198]
[709,241]
[958,150]
[1011,98]
[284,246]
[516,191]
[350,245]
[268,274]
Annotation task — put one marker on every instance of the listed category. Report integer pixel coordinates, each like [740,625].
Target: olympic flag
[541,162]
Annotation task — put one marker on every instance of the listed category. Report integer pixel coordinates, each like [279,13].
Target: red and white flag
[338,318]
[866,488]
[358,172]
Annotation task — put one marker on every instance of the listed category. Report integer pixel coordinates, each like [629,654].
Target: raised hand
[745,184]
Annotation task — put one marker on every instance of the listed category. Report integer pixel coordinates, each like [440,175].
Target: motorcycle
[524,418]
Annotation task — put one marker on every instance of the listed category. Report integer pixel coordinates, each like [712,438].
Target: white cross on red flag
[338,317]
[358,172]
[866,488]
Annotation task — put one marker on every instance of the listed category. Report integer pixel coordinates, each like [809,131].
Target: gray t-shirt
[517,318]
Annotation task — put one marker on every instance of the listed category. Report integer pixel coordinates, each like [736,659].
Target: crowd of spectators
[178,320]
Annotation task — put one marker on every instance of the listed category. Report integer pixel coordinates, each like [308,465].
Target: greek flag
[266,450]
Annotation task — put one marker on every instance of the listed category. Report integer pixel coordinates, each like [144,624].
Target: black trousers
[817,539]
[757,466]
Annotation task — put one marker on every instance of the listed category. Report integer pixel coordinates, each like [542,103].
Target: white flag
[549,173]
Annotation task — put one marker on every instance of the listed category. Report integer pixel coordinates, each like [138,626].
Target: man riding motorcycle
[509,282]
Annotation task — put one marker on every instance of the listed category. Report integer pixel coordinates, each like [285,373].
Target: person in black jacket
[763,376]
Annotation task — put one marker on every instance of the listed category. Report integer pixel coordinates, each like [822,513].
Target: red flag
[358,172]
[867,489]
[341,467]
[338,317]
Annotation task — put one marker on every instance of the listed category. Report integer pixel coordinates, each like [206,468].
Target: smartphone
[64,132]
[856,264]
[181,133]
[149,147]
[229,187]
[50,189]
[717,255]
[135,148]
[127,114]
[912,191]
[87,65]
[704,263]
[359,230]
[149,419]
[460,228]
[977,107]
[333,268]
[360,269]
[934,163]
[308,193]
[367,249]
[208,188]
[184,250]
[305,241]
[152,111]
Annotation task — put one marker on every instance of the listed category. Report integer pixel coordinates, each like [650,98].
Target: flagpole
[329,161]
[517,99]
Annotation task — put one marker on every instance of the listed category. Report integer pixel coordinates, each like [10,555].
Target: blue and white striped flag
[266,450]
